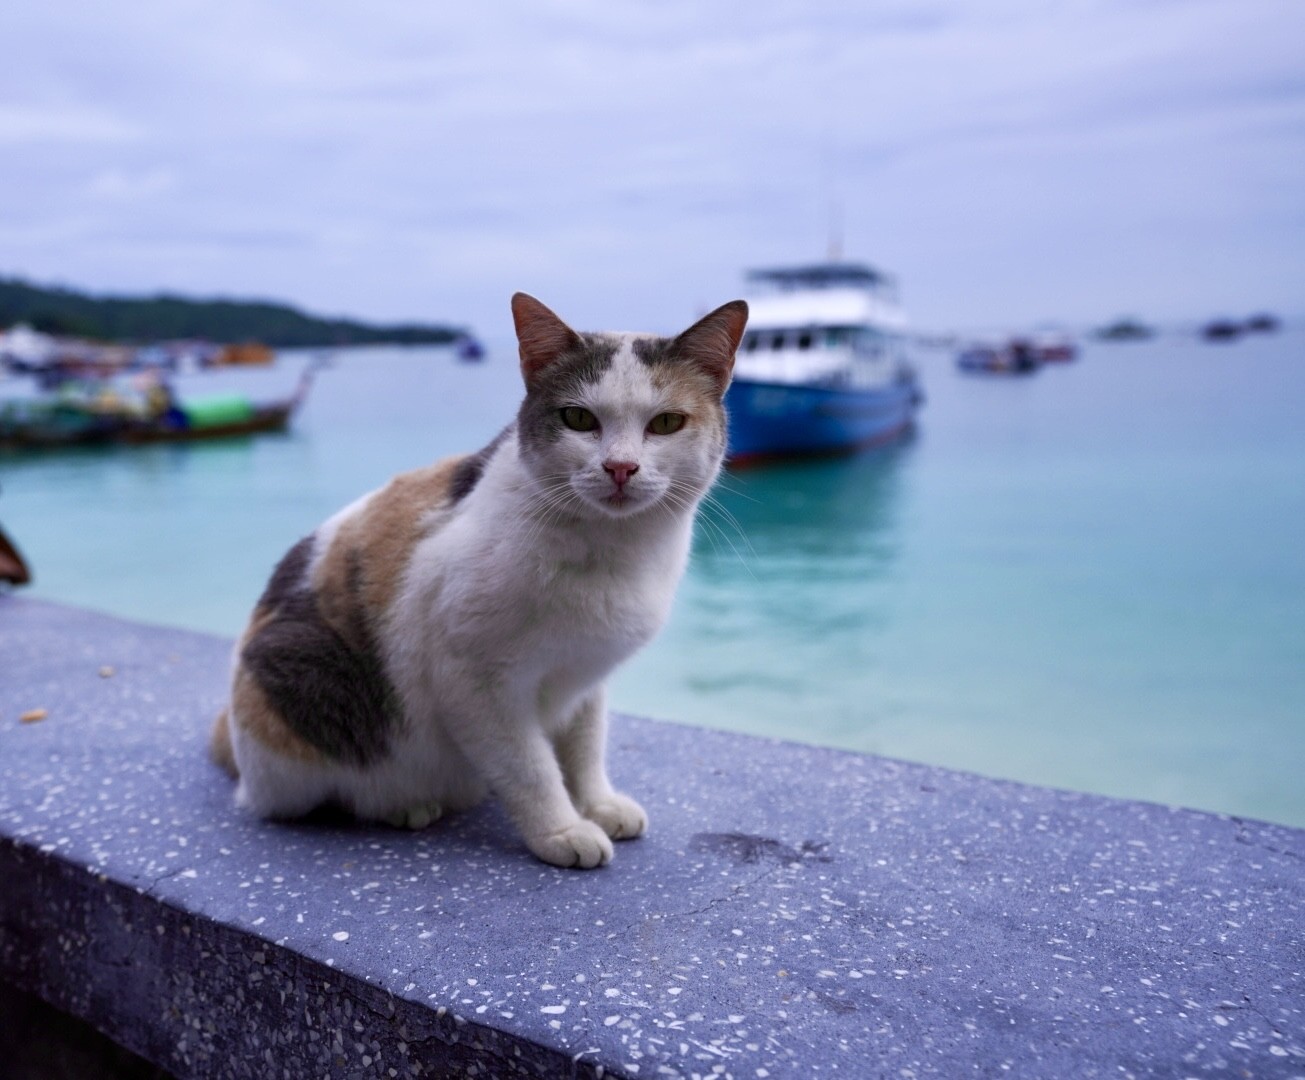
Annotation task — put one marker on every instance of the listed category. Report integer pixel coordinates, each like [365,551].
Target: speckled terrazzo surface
[793,912]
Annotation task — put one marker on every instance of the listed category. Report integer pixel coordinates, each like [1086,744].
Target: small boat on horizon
[469,349]
[1222,330]
[1016,357]
[1233,329]
[1054,346]
[821,369]
[1125,329]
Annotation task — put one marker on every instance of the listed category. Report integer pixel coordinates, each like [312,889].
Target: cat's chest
[589,617]
[591,596]
[597,599]
[604,599]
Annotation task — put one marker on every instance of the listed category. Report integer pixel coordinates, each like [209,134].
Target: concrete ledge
[794,912]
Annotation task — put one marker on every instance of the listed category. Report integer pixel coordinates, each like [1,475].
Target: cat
[448,635]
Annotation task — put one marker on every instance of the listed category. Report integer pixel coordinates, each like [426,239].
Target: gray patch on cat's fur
[558,384]
[289,576]
[471,468]
[332,694]
[654,350]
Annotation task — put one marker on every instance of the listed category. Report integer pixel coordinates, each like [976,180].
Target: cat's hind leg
[417,816]
[272,785]
[422,777]
[378,795]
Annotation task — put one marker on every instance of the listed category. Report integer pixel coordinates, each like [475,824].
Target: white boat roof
[843,306]
[823,294]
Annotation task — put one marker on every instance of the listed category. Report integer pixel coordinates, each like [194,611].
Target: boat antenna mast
[835,250]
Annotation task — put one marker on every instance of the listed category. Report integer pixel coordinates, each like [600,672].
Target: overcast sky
[1012,161]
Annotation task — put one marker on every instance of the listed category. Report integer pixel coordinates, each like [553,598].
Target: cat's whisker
[674,501]
[723,482]
[553,507]
[718,539]
[714,506]
[713,528]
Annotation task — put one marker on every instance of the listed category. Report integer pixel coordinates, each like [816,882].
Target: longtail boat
[85,420]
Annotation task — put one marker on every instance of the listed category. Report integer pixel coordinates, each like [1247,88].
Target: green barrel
[215,410]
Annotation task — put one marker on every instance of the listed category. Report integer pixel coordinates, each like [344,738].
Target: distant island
[165,317]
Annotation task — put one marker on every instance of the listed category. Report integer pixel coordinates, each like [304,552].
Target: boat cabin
[830,323]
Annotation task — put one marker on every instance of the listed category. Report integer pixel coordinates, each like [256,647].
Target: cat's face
[619,423]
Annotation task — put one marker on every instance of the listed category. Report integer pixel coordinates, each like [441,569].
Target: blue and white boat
[821,369]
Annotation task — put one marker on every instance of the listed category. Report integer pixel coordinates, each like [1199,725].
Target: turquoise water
[1092,578]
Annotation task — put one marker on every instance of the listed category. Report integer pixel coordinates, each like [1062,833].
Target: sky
[1012,162]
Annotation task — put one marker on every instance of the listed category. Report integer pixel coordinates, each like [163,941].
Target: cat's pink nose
[621,471]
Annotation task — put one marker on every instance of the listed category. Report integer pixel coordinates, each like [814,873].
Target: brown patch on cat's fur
[688,386]
[699,363]
[219,744]
[357,577]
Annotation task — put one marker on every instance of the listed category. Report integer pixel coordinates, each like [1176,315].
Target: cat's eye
[667,423]
[578,419]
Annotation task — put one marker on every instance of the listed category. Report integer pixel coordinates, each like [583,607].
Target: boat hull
[12,567]
[769,421]
[102,432]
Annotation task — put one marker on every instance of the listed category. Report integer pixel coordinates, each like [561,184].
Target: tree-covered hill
[166,317]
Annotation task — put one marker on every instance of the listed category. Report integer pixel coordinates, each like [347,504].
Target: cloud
[33,125]
[120,185]
[630,161]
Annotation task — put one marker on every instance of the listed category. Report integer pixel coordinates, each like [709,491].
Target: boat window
[869,342]
[750,342]
[777,342]
[837,335]
[804,340]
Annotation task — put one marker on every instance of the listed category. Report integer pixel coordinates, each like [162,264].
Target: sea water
[1092,577]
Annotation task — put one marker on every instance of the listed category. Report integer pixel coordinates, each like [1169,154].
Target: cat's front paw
[619,816]
[583,845]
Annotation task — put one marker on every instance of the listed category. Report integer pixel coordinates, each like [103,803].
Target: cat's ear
[541,335]
[713,340]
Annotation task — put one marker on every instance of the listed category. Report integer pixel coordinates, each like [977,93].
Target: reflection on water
[838,509]
[773,533]
[791,555]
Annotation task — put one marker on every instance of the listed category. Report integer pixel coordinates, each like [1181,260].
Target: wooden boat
[263,418]
[12,567]
[47,424]
[249,353]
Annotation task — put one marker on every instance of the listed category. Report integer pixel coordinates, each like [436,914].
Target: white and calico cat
[448,635]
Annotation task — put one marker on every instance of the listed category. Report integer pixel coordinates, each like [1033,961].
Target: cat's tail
[219,743]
